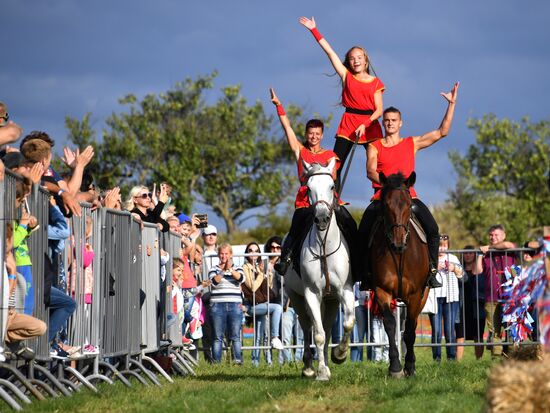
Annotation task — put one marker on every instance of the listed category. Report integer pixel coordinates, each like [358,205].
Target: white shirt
[448,279]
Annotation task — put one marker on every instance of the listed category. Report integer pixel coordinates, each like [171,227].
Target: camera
[203,220]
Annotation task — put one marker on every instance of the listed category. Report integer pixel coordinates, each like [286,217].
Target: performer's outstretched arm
[293,141]
[333,57]
[428,139]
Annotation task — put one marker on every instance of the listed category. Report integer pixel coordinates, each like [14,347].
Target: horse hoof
[323,374]
[410,372]
[335,359]
[396,374]
[308,373]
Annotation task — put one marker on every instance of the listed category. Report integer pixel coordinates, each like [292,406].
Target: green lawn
[449,387]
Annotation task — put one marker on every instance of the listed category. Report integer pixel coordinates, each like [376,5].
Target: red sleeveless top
[358,94]
[323,158]
[394,159]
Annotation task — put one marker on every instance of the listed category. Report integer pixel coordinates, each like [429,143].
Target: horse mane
[393,181]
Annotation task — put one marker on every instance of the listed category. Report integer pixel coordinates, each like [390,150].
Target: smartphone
[203,220]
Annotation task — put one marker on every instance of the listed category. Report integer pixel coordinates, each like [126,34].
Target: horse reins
[388,233]
[322,257]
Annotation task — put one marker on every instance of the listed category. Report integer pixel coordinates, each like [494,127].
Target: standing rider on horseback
[393,154]
[310,152]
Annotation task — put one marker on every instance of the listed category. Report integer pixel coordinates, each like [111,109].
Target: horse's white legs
[301,309]
[347,299]
[314,306]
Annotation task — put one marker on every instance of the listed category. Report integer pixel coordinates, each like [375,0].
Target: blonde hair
[129,204]
[225,246]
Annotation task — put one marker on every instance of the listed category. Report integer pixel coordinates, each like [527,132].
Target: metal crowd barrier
[125,270]
[120,258]
[150,281]
[38,249]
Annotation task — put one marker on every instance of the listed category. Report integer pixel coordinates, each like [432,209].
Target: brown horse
[399,263]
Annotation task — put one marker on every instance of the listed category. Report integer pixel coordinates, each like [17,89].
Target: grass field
[360,387]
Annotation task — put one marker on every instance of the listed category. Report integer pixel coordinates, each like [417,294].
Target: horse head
[396,206]
[320,185]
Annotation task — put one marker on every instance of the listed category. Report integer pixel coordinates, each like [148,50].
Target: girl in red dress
[361,96]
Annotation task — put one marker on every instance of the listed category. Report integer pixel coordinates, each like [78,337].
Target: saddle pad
[418,228]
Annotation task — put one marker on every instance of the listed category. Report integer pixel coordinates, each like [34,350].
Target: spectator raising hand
[72,158]
[112,199]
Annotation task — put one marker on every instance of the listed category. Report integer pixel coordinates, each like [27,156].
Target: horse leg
[298,303]
[416,303]
[410,337]
[307,357]
[347,298]
[314,306]
[384,301]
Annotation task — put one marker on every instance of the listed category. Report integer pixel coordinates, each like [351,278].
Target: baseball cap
[183,218]
[210,229]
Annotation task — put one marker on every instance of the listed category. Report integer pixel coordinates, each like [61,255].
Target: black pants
[302,220]
[430,228]
[342,148]
[422,213]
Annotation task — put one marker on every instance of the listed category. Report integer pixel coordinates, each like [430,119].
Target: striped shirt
[449,280]
[228,290]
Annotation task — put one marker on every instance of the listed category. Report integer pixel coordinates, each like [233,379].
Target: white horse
[325,279]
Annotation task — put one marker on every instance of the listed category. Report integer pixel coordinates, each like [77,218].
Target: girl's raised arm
[333,57]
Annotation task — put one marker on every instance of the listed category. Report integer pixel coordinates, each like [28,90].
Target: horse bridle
[389,239]
[388,229]
[323,256]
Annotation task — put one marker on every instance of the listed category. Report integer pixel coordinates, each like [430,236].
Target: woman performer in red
[311,152]
[361,96]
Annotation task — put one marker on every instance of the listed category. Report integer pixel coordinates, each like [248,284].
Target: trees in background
[503,178]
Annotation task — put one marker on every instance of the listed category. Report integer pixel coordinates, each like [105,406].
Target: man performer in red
[393,154]
[311,152]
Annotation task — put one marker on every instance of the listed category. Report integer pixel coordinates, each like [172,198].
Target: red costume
[358,94]
[322,158]
[394,159]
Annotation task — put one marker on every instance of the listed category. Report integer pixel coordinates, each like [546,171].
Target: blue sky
[69,57]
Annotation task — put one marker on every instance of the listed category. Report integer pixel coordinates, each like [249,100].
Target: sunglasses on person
[252,251]
[444,237]
[275,247]
[145,195]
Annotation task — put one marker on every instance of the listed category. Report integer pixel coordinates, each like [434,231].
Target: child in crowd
[177,295]
[88,258]
[19,327]
[187,298]
[21,231]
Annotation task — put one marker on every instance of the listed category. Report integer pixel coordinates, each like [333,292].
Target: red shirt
[359,94]
[394,159]
[189,280]
[322,158]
